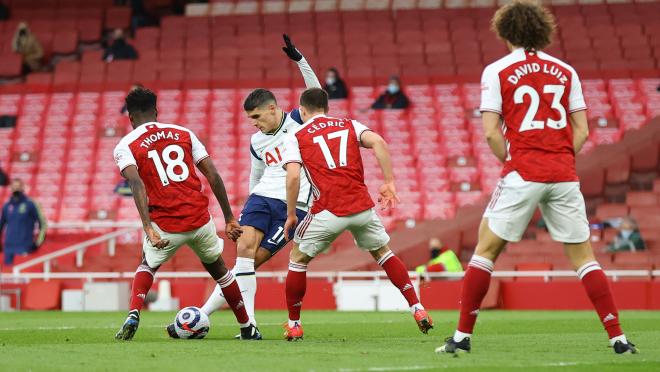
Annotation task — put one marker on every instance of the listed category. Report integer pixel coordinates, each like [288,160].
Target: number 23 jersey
[535,93]
[165,156]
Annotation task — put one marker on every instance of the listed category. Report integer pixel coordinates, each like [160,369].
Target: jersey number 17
[343,143]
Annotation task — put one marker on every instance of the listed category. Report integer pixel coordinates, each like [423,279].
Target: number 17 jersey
[329,150]
[165,156]
[535,93]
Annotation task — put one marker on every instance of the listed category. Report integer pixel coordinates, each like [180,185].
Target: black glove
[291,50]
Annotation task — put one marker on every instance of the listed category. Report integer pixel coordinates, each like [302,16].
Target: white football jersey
[267,177]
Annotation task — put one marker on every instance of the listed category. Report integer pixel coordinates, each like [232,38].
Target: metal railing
[79,249]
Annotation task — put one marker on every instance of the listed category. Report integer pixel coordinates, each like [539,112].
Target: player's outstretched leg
[296,285]
[475,286]
[598,289]
[144,278]
[232,294]
[398,275]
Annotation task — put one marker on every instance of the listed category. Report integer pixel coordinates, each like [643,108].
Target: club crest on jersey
[273,157]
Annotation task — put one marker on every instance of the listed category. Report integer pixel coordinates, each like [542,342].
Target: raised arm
[494,135]
[371,140]
[311,81]
[580,126]
[140,196]
[208,169]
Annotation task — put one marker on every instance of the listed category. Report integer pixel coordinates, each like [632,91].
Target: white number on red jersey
[343,144]
[528,122]
[167,174]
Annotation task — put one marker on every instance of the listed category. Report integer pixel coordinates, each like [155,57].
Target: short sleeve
[359,129]
[198,150]
[291,150]
[124,156]
[491,94]
[575,97]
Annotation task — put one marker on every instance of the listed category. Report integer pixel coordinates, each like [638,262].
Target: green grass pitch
[334,341]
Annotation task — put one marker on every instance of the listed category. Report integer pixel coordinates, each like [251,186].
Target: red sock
[144,278]
[598,289]
[398,275]
[296,285]
[475,287]
[232,293]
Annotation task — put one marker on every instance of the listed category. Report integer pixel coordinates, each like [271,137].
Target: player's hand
[155,239]
[388,196]
[233,229]
[291,50]
[290,226]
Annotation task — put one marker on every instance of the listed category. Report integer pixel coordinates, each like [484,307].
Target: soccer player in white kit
[264,213]
[537,101]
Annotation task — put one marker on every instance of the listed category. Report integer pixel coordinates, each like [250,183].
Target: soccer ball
[191,322]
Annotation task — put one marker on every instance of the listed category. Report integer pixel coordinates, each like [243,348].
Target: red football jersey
[535,93]
[165,156]
[329,149]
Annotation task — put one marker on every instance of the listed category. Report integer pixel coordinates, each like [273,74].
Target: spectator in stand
[123,188]
[442,259]
[4,11]
[393,98]
[334,85]
[629,239]
[119,48]
[27,45]
[20,216]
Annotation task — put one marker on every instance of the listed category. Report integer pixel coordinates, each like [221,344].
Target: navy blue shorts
[267,215]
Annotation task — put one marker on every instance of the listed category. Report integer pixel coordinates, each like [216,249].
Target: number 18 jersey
[329,150]
[534,93]
[165,156]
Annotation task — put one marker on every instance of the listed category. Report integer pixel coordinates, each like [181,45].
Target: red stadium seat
[11,65]
[641,199]
[42,295]
[117,17]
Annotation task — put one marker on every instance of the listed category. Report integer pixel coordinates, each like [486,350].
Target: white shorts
[317,231]
[203,241]
[514,201]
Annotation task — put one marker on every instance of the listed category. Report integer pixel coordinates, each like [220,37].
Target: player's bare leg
[232,294]
[296,285]
[475,286]
[398,275]
[144,278]
[598,289]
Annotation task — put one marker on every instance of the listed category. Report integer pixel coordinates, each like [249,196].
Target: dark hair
[524,23]
[258,98]
[314,99]
[334,69]
[141,100]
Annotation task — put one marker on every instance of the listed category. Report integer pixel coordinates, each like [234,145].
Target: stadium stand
[69,120]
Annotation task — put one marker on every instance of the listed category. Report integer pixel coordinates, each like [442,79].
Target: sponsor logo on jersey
[273,157]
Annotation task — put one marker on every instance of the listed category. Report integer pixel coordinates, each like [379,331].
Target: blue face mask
[625,234]
[392,88]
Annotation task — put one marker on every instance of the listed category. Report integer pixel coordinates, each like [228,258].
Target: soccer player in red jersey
[159,160]
[537,101]
[329,150]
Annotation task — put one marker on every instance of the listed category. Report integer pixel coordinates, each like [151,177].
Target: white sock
[243,325]
[415,307]
[460,336]
[215,301]
[292,323]
[247,281]
[621,338]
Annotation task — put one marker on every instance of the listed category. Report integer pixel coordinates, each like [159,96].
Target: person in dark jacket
[334,85]
[393,98]
[119,49]
[20,216]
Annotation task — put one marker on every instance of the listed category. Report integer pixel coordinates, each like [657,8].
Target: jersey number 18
[169,173]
